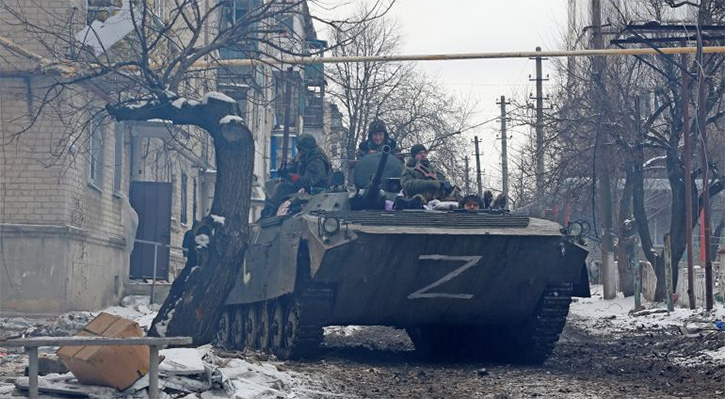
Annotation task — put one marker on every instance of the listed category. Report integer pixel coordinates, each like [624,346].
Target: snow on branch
[218,219]
[651,161]
[215,95]
[231,119]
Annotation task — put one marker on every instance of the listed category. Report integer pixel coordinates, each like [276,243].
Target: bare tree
[364,89]
[645,139]
[165,69]
[414,106]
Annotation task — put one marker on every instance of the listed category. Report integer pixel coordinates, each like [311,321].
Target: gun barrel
[372,189]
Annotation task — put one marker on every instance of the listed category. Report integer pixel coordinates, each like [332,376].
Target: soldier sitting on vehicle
[421,178]
[471,203]
[377,137]
[311,169]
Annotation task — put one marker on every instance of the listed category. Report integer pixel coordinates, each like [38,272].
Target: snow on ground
[207,375]
[196,369]
[605,317]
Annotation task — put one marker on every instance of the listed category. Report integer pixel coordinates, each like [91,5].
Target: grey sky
[457,26]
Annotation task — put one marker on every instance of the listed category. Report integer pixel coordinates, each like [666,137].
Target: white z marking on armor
[424,292]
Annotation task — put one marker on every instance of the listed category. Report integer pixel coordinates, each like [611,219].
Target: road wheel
[251,326]
[290,330]
[263,331]
[224,333]
[237,339]
[276,326]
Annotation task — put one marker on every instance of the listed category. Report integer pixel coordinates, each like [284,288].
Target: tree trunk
[640,215]
[195,302]
[626,284]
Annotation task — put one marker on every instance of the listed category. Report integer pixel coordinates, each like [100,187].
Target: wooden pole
[668,272]
[504,149]
[539,126]
[468,177]
[478,168]
[702,129]
[637,270]
[688,181]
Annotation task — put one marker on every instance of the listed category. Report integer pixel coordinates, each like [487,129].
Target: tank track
[316,303]
[547,323]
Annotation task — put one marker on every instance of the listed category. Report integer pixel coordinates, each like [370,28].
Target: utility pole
[688,181]
[539,124]
[478,167]
[701,122]
[602,164]
[504,154]
[468,177]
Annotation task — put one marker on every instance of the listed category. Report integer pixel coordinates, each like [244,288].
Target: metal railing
[154,343]
[156,261]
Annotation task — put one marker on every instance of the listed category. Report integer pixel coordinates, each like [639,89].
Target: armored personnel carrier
[486,284]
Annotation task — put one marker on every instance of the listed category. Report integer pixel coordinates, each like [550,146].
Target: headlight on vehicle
[575,229]
[330,226]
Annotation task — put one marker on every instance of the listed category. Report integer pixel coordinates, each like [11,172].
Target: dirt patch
[378,362]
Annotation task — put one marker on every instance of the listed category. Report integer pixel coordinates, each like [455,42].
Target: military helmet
[306,142]
[414,150]
[377,126]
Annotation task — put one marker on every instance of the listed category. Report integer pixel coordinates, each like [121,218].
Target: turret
[372,198]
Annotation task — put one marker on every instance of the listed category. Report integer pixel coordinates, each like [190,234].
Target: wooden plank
[62,389]
[82,341]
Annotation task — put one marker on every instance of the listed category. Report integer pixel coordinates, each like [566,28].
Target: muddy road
[378,362]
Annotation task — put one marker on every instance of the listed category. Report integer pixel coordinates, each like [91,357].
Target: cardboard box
[112,366]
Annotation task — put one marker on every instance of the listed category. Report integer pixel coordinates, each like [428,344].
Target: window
[183,217]
[101,10]
[276,149]
[95,153]
[118,159]
[284,23]
[235,11]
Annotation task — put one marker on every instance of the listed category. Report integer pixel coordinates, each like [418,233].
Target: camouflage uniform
[313,167]
[310,169]
[415,182]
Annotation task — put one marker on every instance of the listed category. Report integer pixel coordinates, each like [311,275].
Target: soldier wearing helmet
[377,137]
[421,178]
[310,169]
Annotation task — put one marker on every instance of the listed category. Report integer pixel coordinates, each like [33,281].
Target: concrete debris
[647,312]
[183,361]
[49,363]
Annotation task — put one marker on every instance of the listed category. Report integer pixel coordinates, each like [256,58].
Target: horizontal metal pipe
[459,56]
